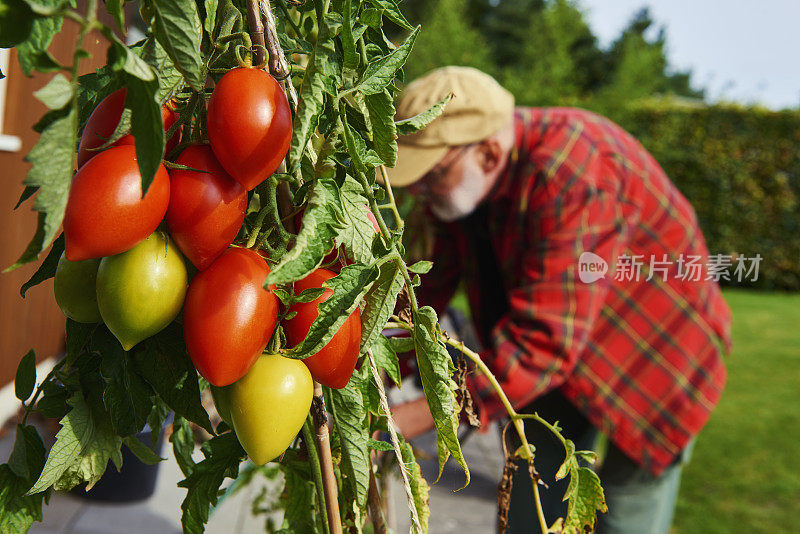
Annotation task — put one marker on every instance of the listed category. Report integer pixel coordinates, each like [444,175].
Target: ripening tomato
[268,406]
[206,209]
[105,212]
[139,292]
[229,317]
[249,125]
[74,286]
[333,365]
[104,119]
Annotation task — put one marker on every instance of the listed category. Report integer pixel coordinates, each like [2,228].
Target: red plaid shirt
[638,352]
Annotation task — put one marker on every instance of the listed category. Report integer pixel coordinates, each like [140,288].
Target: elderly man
[575,250]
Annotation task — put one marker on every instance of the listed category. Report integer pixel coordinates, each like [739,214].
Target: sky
[741,50]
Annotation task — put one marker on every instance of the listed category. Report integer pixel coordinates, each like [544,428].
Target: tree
[449,39]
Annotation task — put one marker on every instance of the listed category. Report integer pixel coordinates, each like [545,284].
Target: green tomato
[222,402]
[74,287]
[269,405]
[139,292]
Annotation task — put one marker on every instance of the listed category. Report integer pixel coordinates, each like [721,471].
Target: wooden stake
[326,460]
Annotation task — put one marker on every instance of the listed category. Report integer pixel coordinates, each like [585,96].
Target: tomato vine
[321,206]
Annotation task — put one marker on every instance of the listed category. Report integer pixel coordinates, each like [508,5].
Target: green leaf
[169,78]
[584,494]
[114,7]
[380,73]
[146,126]
[436,369]
[222,457]
[32,52]
[211,16]
[176,25]
[57,93]
[47,269]
[356,146]
[382,446]
[26,376]
[419,487]
[319,77]
[351,56]
[17,511]
[381,115]
[372,17]
[421,267]
[353,429]
[386,359]
[166,366]
[348,287]
[27,193]
[380,302]
[322,222]
[393,13]
[298,496]
[122,58]
[142,451]
[27,457]
[357,235]
[81,452]
[51,171]
[126,396]
[420,121]
[182,439]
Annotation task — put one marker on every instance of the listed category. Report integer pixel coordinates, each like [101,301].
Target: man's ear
[490,155]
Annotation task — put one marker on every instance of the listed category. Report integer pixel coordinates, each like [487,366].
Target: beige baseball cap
[480,108]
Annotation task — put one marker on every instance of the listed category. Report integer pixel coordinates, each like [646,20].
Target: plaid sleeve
[551,311]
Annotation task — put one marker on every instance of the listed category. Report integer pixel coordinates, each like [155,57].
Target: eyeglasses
[437,173]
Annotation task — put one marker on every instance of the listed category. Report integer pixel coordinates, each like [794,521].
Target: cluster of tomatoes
[119,268]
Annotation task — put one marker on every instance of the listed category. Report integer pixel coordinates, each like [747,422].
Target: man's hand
[413,418]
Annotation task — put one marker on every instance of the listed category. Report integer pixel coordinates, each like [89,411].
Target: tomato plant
[284,122]
[333,364]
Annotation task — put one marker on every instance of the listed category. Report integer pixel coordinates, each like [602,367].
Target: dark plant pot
[136,481]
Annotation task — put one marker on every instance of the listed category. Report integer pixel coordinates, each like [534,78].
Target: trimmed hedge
[740,169]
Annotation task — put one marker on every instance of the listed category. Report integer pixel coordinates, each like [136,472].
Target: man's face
[455,186]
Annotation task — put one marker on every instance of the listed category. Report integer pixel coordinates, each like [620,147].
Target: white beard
[462,199]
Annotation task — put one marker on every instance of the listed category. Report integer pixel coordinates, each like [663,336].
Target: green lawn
[745,472]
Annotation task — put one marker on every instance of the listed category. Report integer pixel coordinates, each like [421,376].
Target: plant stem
[256,32]
[326,460]
[516,418]
[398,220]
[313,460]
[415,524]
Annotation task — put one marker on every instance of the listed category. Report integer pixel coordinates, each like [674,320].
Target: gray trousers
[638,502]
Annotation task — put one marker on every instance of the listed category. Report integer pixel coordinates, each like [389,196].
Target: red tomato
[206,209]
[333,365]
[249,125]
[104,119]
[105,212]
[228,317]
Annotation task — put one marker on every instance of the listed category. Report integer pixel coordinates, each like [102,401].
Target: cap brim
[413,163]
